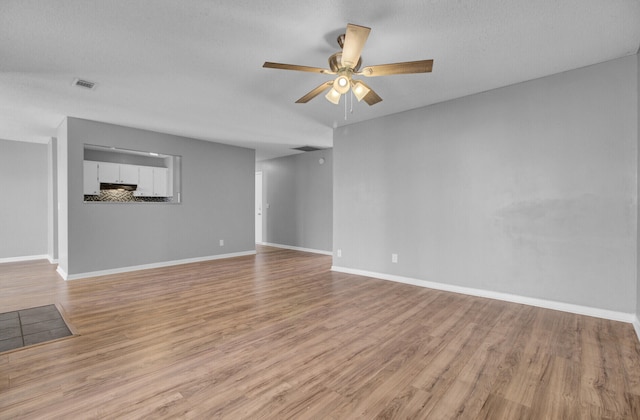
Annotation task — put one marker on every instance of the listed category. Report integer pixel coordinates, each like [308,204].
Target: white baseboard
[636,325]
[52,260]
[66,276]
[62,273]
[24,258]
[541,303]
[297,248]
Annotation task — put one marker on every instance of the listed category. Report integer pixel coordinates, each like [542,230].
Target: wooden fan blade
[281,66]
[408,67]
[315,92]
[354,40]
[371,98]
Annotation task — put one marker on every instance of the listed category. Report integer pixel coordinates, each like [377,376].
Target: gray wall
[23,207]
[529,190]
[299,191]
[63,194]
[52,200]
[638,195]
[217,203]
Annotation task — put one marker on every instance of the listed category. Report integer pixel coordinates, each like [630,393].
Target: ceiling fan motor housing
[335,62]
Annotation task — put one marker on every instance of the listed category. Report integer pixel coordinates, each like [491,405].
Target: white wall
[299,191]
[23,206]
[217,203]
[528,190]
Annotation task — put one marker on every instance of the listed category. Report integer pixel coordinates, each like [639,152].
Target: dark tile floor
[31,326]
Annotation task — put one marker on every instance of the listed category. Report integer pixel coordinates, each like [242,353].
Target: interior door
[258,207]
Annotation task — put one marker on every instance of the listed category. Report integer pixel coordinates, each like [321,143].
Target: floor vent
[83,83]
[31,326]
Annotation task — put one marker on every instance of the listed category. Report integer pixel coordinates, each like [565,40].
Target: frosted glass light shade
[333,96]
[360,90]
[341,84]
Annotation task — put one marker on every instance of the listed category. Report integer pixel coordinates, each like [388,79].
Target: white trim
[66,276]
[297,248]
[24,258]
[636,325]
[542,303]
[62,273]
[52,260]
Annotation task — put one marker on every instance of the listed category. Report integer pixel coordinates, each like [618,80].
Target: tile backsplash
[119,196]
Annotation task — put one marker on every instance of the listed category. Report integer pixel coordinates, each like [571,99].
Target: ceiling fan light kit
[347,63]
[341,84]
[333,96]
[359,90]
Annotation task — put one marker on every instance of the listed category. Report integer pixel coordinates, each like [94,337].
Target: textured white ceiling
[194,68]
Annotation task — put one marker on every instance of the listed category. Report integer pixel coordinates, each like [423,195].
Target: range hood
[123,187]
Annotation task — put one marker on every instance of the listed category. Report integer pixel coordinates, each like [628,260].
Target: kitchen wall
[299,191]
[529,190]
[217,204]
[23,206]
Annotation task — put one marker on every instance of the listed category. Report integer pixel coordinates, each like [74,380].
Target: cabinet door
[108,172]
[160,180]
[145,182]
[90,176]
[128,174]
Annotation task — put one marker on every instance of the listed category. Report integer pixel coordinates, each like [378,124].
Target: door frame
[258,208]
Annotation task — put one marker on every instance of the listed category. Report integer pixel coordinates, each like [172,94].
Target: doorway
[258,207]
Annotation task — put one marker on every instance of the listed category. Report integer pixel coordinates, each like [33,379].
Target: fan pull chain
[345,107]
[351,90]
[346,99]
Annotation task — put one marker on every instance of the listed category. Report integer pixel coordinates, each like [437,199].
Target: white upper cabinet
[150,181]
[160,182]
[90,176]
[154,182]
[145,182]
[117,173]
[109,172]
[128,174]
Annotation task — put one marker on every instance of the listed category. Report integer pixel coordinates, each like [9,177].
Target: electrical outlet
[394,258]
[221,242]
[339,252]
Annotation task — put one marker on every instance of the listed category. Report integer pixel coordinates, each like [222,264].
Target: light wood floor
[280,336]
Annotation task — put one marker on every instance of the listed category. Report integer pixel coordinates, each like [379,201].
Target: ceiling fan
[346,64]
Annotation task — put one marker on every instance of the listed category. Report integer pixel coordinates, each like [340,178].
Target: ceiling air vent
[83,83]
[306,148]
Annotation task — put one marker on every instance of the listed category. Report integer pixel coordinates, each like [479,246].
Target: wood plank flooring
[278,335]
